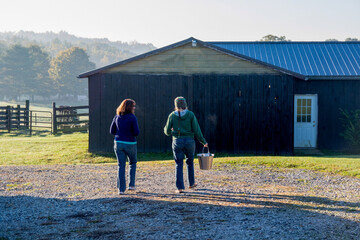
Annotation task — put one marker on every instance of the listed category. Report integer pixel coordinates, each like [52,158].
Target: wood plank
[225,114]
[140,112]
[72,115]
[251,122]
[241,115]
[147,114]
[110,111]
[162,112]
[290,104]
[235,110]
[65,130]
[281,125]
[94,112]
[260,115]
[70,122]
[205,104]
[273,114]
[168,108]
[245,100]
[156,111]
[265,115]
[232,113]
[72,107]
[213,118]
[198,108]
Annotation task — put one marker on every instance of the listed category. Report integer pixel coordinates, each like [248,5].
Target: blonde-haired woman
[125,128]
[183,126]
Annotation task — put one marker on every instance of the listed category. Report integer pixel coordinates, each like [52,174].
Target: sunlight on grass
[73,149]
[62,149]
[344,165]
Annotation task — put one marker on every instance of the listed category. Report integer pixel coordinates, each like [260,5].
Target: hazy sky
[163,22]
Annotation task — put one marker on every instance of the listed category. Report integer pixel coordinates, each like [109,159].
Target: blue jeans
[184,147]
[123,151]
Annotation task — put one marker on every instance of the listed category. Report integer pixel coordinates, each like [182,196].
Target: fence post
[30,123]
[54,119]
[8,113]
[18,116]
[27,113]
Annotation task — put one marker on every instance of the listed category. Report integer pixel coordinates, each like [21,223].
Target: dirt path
[243,202]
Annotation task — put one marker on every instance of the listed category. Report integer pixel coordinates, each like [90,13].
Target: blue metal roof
[310,59]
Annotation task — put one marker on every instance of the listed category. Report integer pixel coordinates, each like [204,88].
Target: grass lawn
[72,149]
[55,149]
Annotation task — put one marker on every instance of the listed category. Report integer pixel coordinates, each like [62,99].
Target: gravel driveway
[230,202]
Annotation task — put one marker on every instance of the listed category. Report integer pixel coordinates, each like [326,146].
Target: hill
[102,51]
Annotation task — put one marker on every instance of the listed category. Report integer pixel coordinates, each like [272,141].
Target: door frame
[316,113]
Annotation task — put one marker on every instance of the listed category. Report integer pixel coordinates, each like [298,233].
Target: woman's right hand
[206,145]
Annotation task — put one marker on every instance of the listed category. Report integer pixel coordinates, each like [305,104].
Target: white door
[305,117]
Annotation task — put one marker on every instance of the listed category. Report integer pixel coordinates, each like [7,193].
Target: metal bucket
[205,160]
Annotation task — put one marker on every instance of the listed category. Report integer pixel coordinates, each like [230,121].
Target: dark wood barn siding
[94,84]
[332,95]
[237,113]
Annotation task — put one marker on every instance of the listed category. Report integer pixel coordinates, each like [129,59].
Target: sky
[163,22]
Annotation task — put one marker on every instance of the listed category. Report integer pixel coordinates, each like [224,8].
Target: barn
[249,97]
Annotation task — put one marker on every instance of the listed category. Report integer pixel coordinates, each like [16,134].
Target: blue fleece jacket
[125,128]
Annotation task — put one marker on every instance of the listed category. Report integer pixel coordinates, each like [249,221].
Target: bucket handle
[207,148]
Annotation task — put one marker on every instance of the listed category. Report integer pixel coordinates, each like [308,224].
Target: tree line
[46,64]
[101,51]
[274,38]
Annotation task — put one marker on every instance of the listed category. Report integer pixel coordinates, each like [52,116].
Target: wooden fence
[70,118]
[12,118]
[61,119]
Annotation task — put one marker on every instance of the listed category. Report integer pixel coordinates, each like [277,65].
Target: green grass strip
[73,149]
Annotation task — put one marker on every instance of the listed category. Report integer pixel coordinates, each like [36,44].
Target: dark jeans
[123,151]
[184,147]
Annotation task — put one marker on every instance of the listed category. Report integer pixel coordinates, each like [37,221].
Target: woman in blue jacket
[125,128]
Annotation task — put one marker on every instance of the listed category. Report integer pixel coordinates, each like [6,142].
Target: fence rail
[61,119]
[68,119]
[12,118]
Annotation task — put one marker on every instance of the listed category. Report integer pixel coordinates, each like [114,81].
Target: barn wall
[332,95]
[237,113]
[94,83]
[190,60]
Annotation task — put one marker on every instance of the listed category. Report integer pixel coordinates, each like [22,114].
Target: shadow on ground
[201,214]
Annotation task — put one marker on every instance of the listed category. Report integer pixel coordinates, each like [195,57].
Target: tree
[351,39]
[41,83]
[16,65]
[24,71]
[65,68]
[273,38]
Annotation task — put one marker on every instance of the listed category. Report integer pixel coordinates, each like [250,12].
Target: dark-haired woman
[125,128]
[182,125]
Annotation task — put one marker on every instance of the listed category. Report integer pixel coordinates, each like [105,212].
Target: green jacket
[185,126]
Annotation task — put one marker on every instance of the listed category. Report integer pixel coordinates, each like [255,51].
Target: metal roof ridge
[284,42]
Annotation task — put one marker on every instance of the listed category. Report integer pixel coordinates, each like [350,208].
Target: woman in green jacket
[183,126]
